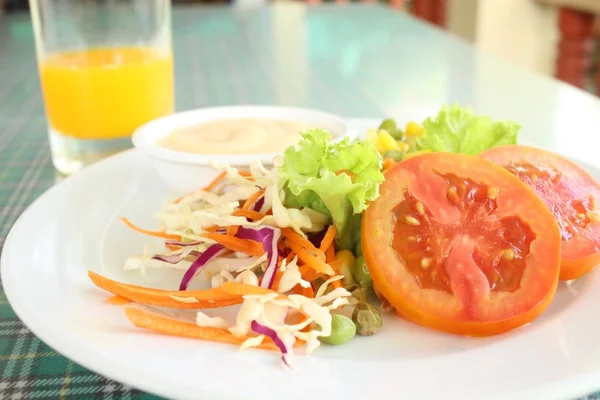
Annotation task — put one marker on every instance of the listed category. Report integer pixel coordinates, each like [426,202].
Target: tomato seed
[581,216]
[412,220]
[493,193]
[452,195]
[420,208]
[425,263]
[508,254]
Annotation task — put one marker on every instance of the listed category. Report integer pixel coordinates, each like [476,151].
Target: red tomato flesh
[569,192]
[458,244]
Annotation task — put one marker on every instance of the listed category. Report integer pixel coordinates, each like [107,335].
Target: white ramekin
[186,172]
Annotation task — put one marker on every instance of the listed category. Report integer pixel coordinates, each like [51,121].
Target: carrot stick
[310,260]
[169,326]
[252,199]
[206,188]
[118,300]
[147,232]
[246,246]
[327,240]
[254,215]
[210,298]
[242,289]
[292,236]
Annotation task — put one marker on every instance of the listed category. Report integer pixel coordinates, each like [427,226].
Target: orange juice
[106,93]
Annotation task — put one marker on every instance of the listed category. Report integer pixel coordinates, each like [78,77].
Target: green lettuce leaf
[458,130]
[312,174]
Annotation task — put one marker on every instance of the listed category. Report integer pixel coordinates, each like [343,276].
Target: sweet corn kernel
[413,129]
[386,141]
[404,147]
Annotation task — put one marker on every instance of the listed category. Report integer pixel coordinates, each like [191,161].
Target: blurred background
[551,37]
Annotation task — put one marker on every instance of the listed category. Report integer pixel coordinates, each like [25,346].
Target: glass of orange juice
[106,67]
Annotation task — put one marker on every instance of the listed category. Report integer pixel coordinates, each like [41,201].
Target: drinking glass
[106,67]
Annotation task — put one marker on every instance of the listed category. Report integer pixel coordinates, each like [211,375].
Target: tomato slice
[461,245]
[569,192]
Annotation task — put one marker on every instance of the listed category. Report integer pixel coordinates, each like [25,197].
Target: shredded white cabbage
[193,214]
[184,299]
[252,341]
[210,322]
[291,277]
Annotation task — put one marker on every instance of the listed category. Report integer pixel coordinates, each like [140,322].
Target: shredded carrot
[212,228]
[330,255]
[280,246]
[300,318]
[269,212]
[215,182]
[254,215]
[242,289]
[253,199]
[246,246]
[297,289]
[290,257]
[292,236]
[118,300]
[308,274]
[170,326]
[210,298]
[310,260]
[329,248]
[308,292]
[277,279]
[172,247]
[147,232]
[232,230]
[327,240]
[245,174]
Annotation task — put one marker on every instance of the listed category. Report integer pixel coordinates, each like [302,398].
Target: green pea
[367,318]
[342,330]
[388,124]
[394,154]
[361,273]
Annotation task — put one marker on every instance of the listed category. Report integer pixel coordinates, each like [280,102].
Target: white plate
[72,228]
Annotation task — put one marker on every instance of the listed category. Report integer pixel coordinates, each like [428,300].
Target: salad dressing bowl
[185,171]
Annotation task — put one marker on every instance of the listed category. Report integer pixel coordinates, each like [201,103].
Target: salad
[448,223]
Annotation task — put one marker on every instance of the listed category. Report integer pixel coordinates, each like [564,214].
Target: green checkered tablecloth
[342,59]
